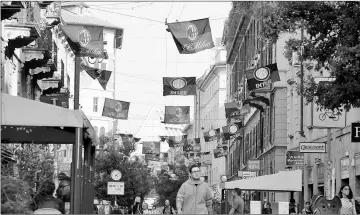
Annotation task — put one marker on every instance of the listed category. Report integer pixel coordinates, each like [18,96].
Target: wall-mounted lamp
[290,136]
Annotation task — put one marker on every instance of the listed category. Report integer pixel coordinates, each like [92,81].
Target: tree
[135,173]
[167,187]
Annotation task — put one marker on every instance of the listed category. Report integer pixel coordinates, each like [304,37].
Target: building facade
[210,114]
[264,136]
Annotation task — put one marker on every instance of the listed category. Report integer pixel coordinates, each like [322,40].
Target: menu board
[283,207]
[255,207]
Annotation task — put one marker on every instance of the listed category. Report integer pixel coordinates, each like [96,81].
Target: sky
[149,52]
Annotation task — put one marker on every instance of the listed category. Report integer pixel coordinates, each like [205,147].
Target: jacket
[195,197]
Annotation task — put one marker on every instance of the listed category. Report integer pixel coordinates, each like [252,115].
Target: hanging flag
[116,109]
[151,148]
[191,36]
[235,110]
[102,76]
[261,77]
[231,130]
[192,145]
[181,86]
[211,135]
[220,151]
[177,115]
[87,41]
[176,141]
[152,157]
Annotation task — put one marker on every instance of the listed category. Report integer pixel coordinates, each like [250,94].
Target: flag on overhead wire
[261,77]
[191,36]
[231,130]
[86,40]
[177,115]
[181,86]
[116,109]
[176,141]
[102,76]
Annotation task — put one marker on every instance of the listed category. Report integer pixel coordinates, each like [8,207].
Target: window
[119,33]
[95,104]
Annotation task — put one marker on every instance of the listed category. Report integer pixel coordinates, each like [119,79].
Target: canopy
[284,181]
[18,111]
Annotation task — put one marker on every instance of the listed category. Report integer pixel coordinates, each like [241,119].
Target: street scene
[124,107]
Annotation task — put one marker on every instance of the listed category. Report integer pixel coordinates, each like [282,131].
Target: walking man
[195,195]
[238,202]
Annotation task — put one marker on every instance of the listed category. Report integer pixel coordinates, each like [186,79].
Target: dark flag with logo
[152,157]
[232,110]
[192,36]
[102,76]
[231,130]
[220,151]
[176,141]
[261,77]
[212,135]
[192,145]
[116,109]
[177,115]
[180,86]
[151,148]
[85,40]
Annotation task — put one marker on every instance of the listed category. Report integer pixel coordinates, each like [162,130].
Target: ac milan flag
[176,141]
[179,86]
[152,157]
[191,36]
[261,77]
[102,76]
[192,145]
[231,130]
[177,115]
[116,109]
[212,135]
[151,148]
[232,110]
[87,41]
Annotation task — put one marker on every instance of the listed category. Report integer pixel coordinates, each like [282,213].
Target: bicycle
[329,114]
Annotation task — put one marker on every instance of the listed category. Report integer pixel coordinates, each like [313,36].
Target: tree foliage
[135,173]
[167,188]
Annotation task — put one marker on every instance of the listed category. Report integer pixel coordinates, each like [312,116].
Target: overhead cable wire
[181,11]
[127,8]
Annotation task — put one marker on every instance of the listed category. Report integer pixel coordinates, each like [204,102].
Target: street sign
[246,174]
[115,188]
[253,165]
[312,147]
[355,132]
[294,158]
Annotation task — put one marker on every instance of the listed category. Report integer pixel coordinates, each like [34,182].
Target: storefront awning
[17,111]
[285,181]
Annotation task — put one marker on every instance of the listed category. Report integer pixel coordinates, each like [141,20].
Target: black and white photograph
[177,107]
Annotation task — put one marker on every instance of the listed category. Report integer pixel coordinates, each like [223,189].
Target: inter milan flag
[116,109]
[102,76]
[177,115]
[212,135]
[176,141]
[151,148]
[85,40]
[179,86]
[231,130]
[261,77]
[220,151]
[191,36]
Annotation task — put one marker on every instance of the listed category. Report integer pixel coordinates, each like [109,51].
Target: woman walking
[136,207]
[347,201]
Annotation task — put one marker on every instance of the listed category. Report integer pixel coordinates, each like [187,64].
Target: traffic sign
[312,147]
[115,188]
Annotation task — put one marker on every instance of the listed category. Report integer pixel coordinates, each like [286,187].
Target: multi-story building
[210,114]
[264,133]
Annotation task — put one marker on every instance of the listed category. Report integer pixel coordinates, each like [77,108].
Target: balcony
[22,29]
[53,13]
[9,8]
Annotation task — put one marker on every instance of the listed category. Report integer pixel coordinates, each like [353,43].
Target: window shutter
[119,35]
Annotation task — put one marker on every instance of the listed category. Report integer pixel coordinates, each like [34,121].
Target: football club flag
[191,36]
[235,110]
[152,157]
[179,86]
[177,115]
[176,141]
[220,151]
[231,130]
[102,76]
[85,40]
[212,135]
[116,109]
[261,77]
[151,148]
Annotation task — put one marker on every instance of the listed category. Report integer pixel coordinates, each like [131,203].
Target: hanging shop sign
[355,132]
[115,188]
[253,165]
[294,158]
[312,147]
[345,164]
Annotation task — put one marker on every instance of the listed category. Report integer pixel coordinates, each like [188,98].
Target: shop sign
[115,188]
[345,167]
[357,164]
[294,158]
[253,165]
[312,147]
[355,132]
[246,174]
[61,100]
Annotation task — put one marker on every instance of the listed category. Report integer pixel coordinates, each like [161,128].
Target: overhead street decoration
[261,77]
[179,86]
[294,158]
[191,36]
[177,115]
[116,109]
